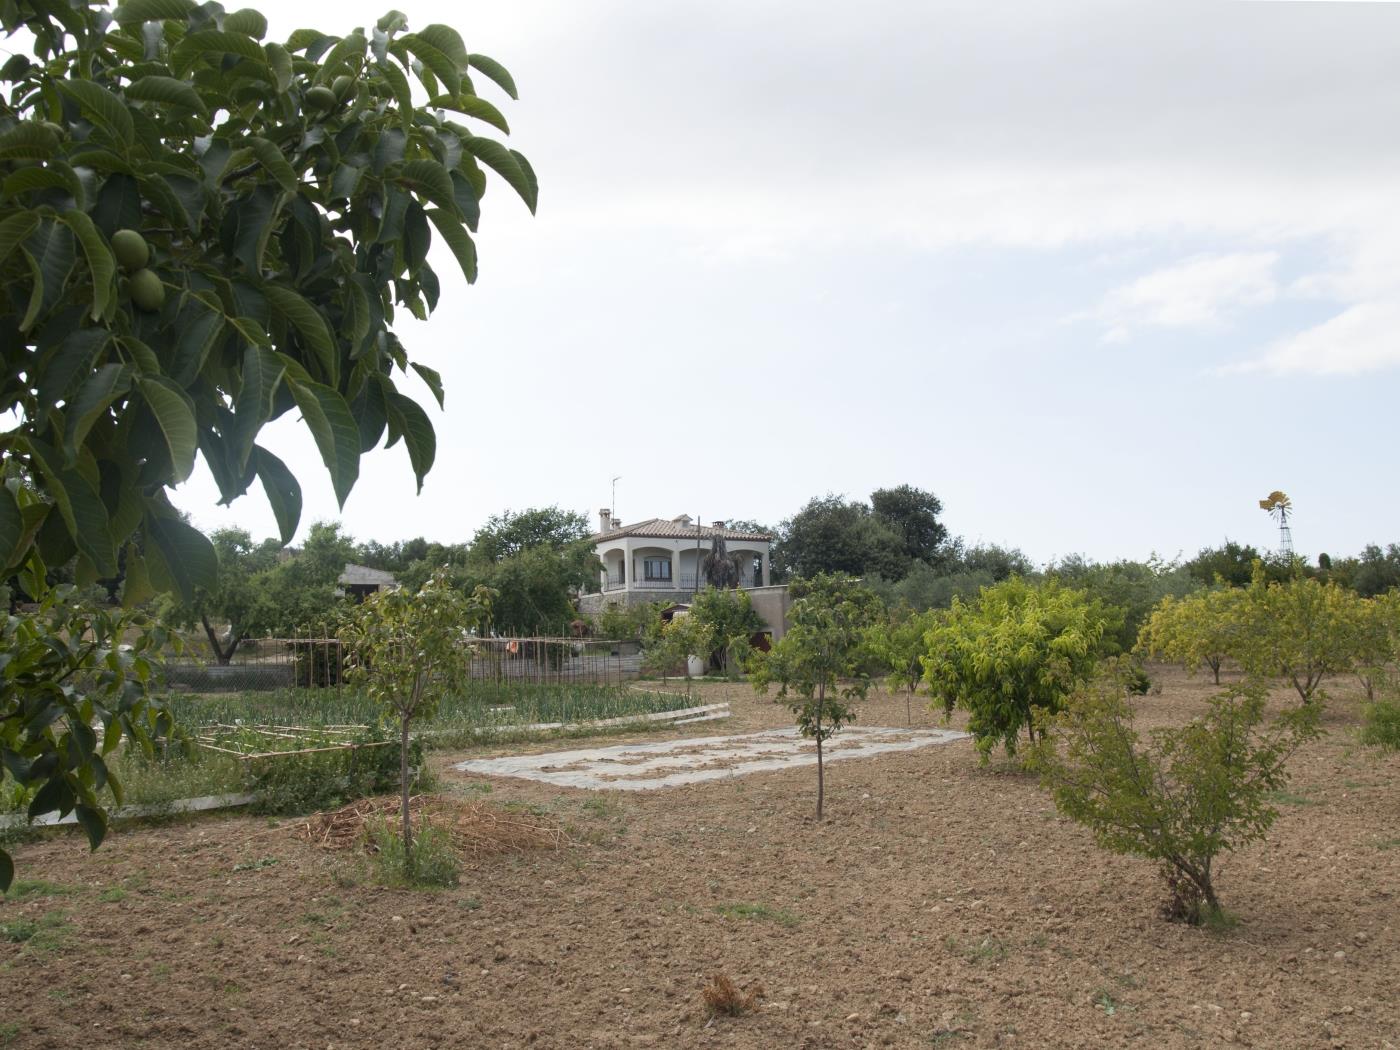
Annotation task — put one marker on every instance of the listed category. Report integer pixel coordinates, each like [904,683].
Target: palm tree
[719,568]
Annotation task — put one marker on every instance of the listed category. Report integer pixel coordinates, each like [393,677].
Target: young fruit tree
[684,637]
[1375,632]
[408,648]
[200,232]
[898,645]
[733,621]
[1011,656]
[1300,629]
[1182,796]
[820,664]
[1205,628]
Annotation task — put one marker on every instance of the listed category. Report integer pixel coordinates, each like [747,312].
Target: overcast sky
[1099,274]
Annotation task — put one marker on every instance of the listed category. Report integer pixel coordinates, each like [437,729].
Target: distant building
[360,581]
[661,560]
[666,555]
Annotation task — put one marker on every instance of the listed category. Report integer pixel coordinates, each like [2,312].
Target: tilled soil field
[940,905]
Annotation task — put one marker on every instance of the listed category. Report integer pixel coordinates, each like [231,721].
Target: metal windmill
[1279,507]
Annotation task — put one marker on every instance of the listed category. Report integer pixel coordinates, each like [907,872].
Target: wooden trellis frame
[208,735]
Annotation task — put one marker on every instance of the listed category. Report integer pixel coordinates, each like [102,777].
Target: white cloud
[1195,293]
[1361,338]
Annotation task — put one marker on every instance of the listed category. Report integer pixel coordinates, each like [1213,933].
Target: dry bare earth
[941,905]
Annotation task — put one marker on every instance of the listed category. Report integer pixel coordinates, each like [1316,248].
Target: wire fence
[316,660]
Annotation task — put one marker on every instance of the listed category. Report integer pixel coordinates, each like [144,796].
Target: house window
[656,568]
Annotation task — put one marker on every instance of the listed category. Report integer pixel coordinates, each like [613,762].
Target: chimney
[717,524]
[605,522]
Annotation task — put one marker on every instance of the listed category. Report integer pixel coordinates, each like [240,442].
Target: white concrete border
[157,809]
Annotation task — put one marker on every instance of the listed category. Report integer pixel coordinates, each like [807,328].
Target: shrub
[1191,793]
[1135,680]
[1380,726]
[430,860]
[327,779]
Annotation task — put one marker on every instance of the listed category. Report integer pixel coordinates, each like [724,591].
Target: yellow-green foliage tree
[1012,657]
[1302,630]
[408,648]
[897,644]
[1375,630]
[1202,629]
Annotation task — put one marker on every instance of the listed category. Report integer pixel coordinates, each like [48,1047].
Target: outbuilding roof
[666,529]
[364,576]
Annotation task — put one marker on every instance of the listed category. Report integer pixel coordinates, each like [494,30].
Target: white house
[666,555]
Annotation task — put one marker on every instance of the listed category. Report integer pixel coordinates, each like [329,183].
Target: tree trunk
[1215,668]
[222,657]
[403,796]
[821,777]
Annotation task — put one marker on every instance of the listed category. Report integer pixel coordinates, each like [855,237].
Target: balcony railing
[682,582]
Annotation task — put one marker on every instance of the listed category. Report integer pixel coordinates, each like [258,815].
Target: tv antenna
[1279,507]
[612,504]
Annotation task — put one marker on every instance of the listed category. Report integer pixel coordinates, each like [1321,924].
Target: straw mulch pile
[477,828]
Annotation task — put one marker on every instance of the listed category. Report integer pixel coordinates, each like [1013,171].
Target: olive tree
[820,663]
[200,231]
[407,648]
[1012,656]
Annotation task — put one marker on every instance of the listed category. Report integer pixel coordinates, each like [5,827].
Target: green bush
[1136,681]
[1380,726]
[1182,796]
[431,861]
[324,780]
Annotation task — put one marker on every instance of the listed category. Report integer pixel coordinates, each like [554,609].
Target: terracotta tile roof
[663,529]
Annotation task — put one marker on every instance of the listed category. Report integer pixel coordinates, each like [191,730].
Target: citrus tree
[1012,656]
[820,663]
[202,230]
[407,648]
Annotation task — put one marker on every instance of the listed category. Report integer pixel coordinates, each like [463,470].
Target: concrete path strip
[669,763]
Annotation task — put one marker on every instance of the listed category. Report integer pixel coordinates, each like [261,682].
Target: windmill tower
[1279,507]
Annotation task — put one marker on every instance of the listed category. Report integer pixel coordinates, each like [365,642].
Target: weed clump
[429,860]
[724,998]
[1380,725]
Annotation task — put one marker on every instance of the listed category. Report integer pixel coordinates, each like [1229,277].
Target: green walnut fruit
[131,250]
[321,97]
[342,86]
[146,290]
